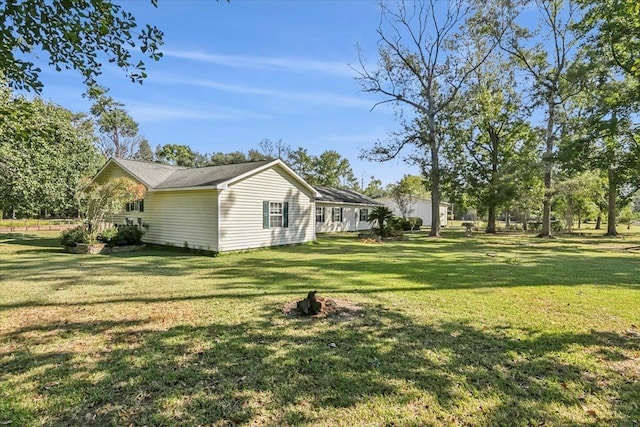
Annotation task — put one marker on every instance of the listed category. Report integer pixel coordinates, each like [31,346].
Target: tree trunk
[599,221]
[491,223]
[611,208]
[435,180]
[546,203]
[507,219]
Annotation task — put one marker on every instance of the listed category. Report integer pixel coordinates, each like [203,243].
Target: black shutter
[265,214]
[285,214]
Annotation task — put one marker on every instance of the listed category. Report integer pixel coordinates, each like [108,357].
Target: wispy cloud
[148,112]
[316,98]
[291,64]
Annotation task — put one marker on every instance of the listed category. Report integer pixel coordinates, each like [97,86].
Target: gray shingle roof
[160,176]
[150,173]
[210,175]
[336,195]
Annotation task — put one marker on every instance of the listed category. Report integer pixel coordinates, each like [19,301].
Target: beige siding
[241,211]
[179,218]
[111,171]
[350,218]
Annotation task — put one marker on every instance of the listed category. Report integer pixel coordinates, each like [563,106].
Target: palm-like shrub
[381,216]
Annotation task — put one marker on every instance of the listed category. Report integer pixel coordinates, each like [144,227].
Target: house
[218,208]
[342,210]
[419,207]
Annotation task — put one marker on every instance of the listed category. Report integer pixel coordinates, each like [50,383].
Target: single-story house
[342,210]
[218,208]
[420,207]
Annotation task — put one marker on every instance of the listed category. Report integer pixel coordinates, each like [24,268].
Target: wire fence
[20,225]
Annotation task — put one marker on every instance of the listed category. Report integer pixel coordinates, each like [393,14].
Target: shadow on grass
[275,371]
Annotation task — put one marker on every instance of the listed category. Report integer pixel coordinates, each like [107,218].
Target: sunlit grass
[486,330]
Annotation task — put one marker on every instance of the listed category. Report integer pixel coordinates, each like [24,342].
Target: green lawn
[505,330]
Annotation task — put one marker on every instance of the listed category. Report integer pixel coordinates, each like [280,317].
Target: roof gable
[157,176]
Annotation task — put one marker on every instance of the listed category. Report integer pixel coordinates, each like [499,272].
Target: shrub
[121,236]
[416,222]
[107,236]
[72,236]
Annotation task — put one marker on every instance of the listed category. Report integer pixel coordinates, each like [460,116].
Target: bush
[72,236]
[121,236]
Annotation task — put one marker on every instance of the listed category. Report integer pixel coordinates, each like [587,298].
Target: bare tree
[422,64]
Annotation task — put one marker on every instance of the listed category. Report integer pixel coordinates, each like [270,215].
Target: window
[336,215]
[319,213]
[275,214]
[364,214]
[137,206]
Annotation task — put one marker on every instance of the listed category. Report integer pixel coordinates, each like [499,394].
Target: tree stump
[311,305]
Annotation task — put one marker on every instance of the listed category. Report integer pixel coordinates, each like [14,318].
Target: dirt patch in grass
[332,308]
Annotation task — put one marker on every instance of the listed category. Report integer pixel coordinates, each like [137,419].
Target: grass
[488,330]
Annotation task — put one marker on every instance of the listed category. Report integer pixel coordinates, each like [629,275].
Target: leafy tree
[613,27]
[493,135]
[118,132]
[144,152]
[550,57]
[76,35]
[44,150]
[102,201]
[374,189]
[176,155]
[405,191]
[421,67]
[302,163]
[573,197]
[330,169]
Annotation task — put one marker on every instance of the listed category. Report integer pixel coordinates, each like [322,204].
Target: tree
[144,152]
[44,150]
[551,64]
[613,27]
[330,169]
[176,155]
[302,163]
[101,201]
[421,67]
[76,35]
[118,132]
[405,191]
[374,189]
[274,149]
[493,135]
[574,197]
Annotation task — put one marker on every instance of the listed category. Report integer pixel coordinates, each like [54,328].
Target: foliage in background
[44,151]
[117,131]
[78,35]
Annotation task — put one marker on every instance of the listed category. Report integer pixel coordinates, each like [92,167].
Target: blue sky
[236,73]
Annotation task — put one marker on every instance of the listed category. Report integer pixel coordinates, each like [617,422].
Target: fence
[19,225]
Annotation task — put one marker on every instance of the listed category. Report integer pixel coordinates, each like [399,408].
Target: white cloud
[318,98]
[147,112]
[334,68]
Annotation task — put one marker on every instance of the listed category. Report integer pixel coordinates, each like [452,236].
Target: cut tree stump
[311,305]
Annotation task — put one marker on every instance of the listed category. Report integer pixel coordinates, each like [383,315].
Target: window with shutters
[319,213]
[336,215]
[275,214]
[137,206]
[364,214]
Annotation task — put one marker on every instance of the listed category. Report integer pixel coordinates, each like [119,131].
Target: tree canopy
[79,35]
